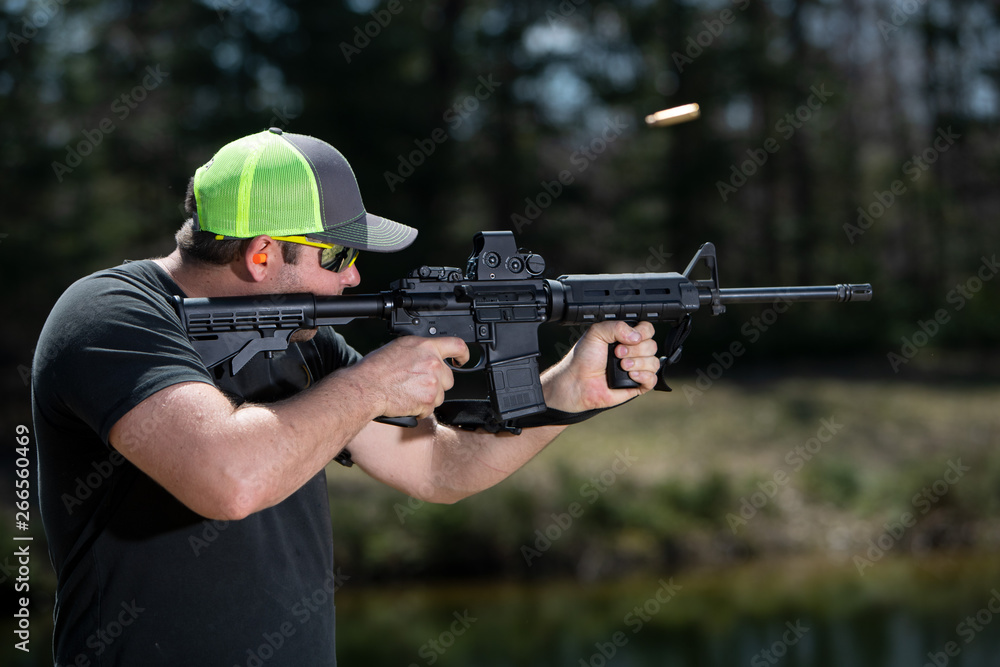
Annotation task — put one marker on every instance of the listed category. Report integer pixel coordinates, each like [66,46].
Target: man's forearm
[466,462]
[440,463]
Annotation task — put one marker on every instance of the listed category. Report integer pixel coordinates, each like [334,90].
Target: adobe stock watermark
[101,640]
[209,533]
[635,620]
[913,169]
[222,7]
[272,641]
[739,175]
[967,629]
[86,486]
[281,117]
[566,9]
[41,14]
[121,108]
[563,521]
[957,297]
[310,604]
[773,654]
[432,650]
[453,117]
[580,160]
[697,44]
[796,458]
[753,329]
[363,35]
[898,17]
[922,501]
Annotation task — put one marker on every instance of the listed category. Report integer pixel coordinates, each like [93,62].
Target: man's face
[306,275]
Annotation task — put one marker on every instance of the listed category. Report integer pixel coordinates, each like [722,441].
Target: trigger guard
[480,365]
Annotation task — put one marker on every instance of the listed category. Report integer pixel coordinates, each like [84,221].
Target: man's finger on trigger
[453,348]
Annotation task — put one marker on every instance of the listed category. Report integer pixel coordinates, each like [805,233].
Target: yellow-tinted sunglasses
[334,257]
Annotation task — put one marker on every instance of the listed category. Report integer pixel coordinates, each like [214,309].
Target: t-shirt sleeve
[108,345]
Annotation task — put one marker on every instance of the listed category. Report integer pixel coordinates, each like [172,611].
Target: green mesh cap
[282,184]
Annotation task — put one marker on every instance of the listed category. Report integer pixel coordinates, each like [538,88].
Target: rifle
[498,303]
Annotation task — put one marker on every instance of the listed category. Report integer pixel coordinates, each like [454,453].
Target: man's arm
[438,463]
[225,462]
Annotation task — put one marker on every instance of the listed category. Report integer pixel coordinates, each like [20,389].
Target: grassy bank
[857,470]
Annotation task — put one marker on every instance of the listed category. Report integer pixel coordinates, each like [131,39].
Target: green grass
[865,450]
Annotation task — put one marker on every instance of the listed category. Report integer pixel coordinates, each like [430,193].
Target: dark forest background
[110,106]
[852,141]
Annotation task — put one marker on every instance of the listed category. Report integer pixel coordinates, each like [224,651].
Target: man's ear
[262,256]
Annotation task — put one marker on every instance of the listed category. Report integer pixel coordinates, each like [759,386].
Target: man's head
[288,187]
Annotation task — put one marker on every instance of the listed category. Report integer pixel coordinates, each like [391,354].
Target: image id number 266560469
[22,546]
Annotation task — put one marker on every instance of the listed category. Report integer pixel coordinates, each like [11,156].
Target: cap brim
[370,232]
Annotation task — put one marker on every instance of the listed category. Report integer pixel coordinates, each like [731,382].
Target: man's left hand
[579,381]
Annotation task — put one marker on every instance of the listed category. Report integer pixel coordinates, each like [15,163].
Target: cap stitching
[317,197]
[243,190]
[316,178]
[319,184]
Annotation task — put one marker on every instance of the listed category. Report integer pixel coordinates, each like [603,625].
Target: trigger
[453,365]
[458,368]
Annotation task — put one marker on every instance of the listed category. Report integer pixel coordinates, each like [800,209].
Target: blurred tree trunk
[803,175]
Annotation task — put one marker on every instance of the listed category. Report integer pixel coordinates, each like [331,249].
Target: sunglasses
[334,257]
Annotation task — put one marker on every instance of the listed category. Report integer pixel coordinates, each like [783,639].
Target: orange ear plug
[260,258]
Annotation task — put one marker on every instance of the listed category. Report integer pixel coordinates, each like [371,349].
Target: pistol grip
[515,387]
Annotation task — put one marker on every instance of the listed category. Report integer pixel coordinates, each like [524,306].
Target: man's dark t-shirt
[142,580]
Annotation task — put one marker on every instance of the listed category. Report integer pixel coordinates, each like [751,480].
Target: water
[523,634]
[941,612]
[910,616]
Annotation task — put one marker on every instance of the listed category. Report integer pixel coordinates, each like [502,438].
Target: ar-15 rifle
[498,302]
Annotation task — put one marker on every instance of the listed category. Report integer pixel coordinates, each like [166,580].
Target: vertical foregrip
[618,377]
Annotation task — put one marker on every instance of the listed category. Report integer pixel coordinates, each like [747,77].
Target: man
[186,510]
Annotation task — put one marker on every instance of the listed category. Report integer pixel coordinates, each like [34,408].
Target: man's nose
[350,277]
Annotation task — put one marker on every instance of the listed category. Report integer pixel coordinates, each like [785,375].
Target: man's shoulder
[136,295]
[143,275]
[123,285]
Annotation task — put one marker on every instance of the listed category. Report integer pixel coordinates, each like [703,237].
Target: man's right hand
[409,376]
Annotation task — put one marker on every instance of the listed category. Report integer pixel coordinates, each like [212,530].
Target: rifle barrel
[853,292]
